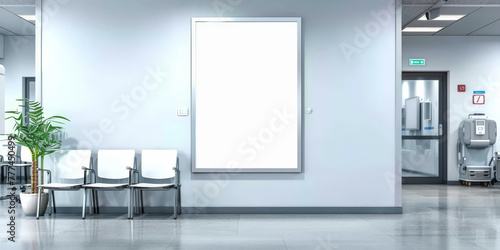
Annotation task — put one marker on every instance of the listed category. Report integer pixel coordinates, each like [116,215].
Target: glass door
[424,128]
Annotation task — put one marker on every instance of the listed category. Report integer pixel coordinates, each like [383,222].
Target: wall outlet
[182,112]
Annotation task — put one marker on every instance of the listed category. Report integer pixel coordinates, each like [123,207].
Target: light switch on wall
[183,112]
[309,110]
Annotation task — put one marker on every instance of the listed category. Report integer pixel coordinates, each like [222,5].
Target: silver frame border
[298,20]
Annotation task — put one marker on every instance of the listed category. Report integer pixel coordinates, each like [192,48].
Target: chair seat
[62,186]
[21,165]
[106,186]
[152,186]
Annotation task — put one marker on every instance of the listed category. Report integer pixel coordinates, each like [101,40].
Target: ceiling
[11,24]
[482,17]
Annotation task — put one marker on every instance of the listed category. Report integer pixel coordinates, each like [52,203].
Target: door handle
[440,129]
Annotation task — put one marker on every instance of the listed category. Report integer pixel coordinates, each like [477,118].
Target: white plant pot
[29,201]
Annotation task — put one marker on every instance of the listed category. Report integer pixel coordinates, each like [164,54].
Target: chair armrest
[131,172]
[176,168]
[85,169]
[40,171]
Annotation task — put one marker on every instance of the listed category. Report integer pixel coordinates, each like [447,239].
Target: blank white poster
[246,86]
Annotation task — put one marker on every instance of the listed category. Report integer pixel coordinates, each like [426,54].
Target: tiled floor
[435,217]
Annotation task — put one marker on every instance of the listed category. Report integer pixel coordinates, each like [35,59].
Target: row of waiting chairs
[114,165]
[22,160]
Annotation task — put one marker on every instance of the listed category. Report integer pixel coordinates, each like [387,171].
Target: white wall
[19,62]
[119,70]
[472,61]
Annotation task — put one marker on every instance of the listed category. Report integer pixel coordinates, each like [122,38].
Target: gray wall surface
[2,45]
[120,69]
[19,62]
[472,61]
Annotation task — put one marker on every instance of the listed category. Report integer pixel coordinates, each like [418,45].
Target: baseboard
[293,210]
[246,210]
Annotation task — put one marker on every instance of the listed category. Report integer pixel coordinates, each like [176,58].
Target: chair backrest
[4,151]
[111,164]
[68,163]
[158,164]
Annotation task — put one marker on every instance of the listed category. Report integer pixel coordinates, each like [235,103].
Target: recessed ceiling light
[443,18]
[28,17]
[422,29]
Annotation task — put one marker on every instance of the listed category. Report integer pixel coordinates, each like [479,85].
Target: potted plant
[37,133]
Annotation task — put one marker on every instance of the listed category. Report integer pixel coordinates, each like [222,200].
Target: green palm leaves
[37,133]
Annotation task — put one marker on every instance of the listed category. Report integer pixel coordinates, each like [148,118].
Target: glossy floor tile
[434,217]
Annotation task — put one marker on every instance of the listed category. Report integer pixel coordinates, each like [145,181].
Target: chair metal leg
[179,210]
[53,202]
[142,203]
[136,201]
[92,201]
[131,204]
[96,202]
[2,175]
[84,202]
[38,204]
[175,205]
[50,202]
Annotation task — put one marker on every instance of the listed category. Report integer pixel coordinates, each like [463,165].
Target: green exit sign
[417,61]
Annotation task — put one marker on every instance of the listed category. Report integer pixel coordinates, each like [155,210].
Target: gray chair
[112,165]
[4,163]
[4,159]
[22,160]
[68,165]
[156,164]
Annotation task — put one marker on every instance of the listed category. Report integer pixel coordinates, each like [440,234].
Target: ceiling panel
[6,32]
[450,2]
[483,19]
[457,10]
[472,22]
[492,29]
[14,24]
[17,2]
[20,10]
[444,11]
[418,33]
[410,13]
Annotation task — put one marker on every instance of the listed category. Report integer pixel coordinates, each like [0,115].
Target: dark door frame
[26,94]
[443,121]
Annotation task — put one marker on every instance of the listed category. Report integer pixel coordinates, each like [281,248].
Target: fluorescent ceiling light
[28,17]
[422,29]
[443,18]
